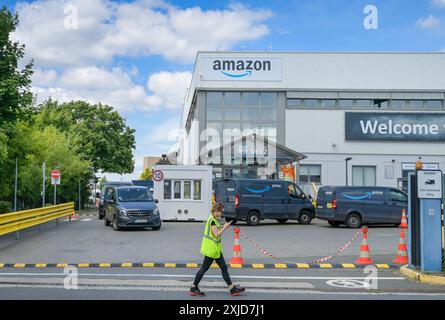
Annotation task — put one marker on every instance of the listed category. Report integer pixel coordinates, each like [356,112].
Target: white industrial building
[382,110]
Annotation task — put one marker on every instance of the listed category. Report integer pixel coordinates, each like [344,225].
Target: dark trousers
[206,265]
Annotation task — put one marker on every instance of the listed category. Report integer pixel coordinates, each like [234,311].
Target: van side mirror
[310,197]
[156,201]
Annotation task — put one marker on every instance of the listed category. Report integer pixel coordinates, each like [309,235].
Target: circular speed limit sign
[158,175]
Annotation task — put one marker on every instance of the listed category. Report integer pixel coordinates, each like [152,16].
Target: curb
[194,265]
[422,277]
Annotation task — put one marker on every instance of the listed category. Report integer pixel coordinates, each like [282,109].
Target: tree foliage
[146,175]
[99,132]
[15,96]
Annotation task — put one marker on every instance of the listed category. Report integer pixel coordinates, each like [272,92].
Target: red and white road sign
[55,177]
[158,175]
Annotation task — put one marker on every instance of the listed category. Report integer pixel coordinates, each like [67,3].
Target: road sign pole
[17,234]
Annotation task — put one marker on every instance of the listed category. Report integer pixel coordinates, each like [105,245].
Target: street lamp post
[346,163]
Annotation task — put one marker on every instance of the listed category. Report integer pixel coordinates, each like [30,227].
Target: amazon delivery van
[184,192]
[254,200]
[356,206]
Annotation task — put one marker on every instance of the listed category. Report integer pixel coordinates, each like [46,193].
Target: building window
[398,104]
[268,114]
[214,114]
[363,176]
[328,103]
[251,99]
[177,189]
[187,189]
[214,99]
[232,114]
[311,103]
[232,99]
[250,114]
[363,103]
[434,104]
[167,189]
[346,103]
[310,173]
[415,104]
[268,99]
[196,190]
[294,103]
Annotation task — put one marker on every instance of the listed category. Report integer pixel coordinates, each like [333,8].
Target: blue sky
[138,55]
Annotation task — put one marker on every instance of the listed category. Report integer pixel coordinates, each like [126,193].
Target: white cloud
[439,3]
[170,87]
[429,22]
[108,29]
[114,87]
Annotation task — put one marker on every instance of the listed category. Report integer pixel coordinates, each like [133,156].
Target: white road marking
[192,276]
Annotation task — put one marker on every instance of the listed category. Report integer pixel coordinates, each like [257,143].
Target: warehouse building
[336,118]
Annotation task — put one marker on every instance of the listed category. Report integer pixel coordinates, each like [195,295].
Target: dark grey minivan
[130,207]
[254,200]
[355,206]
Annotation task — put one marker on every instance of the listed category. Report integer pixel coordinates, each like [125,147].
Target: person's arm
[218,232]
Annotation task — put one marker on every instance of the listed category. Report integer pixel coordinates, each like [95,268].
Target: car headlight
[122,212]
[156,212]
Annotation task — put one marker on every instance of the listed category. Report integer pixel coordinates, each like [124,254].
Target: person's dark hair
[218,207]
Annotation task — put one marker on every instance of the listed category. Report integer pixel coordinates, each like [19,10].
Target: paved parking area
[89,241]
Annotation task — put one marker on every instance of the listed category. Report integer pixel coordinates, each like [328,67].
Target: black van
[355,206]
[254,200]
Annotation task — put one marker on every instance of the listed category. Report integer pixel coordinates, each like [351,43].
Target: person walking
[211,248]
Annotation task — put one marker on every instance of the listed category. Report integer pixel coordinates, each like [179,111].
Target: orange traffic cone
[402,250]
[404,222]
[237,258]
[364,258]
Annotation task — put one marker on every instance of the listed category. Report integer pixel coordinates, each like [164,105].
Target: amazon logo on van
[241,68]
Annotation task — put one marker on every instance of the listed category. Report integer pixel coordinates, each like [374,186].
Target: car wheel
[106,221]
[305,217]
[354,221]
[253,219]
[282,221]
[334,223]
[115,225]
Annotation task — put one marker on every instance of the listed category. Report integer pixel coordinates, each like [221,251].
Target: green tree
[146,175]
[57,150]
[99,132]
[15,96]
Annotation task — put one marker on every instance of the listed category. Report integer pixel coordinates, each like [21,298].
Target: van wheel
[305,217]
[334,223]
[106,221]
[253,219]
[282,221]
[115,225]
[354,221]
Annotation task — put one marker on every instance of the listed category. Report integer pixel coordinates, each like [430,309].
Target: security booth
[184,193]
[425,237]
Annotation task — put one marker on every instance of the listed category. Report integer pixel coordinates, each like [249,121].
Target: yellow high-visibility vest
[211,247]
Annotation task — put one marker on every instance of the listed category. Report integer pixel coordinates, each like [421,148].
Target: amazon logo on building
[260,69]
[241,68]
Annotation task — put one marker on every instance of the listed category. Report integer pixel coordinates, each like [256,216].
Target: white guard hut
[184,192]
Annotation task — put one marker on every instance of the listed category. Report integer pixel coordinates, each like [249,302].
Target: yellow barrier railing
[15,221]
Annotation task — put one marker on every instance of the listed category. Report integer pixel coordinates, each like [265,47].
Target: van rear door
[225,191]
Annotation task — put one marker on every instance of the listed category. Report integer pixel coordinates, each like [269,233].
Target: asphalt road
[89,241]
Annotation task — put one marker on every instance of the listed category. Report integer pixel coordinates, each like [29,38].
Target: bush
[5,207]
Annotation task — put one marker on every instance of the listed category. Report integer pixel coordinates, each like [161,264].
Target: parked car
[129,207]
[254,200]
[102,193]
[355,206]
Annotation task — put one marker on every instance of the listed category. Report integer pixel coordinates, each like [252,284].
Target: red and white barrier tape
[342,249]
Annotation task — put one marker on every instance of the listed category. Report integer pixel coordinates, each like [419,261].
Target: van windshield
[133,195]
